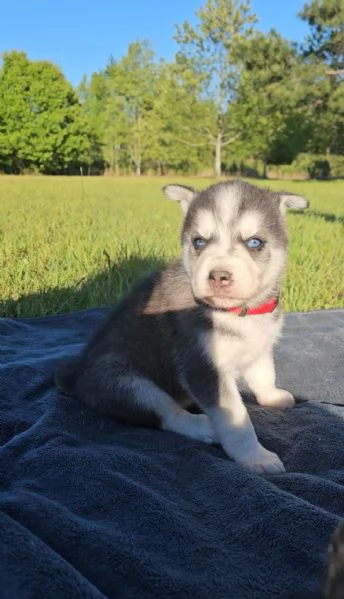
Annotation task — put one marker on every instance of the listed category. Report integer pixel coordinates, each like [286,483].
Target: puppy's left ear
[293,201]
[180,193]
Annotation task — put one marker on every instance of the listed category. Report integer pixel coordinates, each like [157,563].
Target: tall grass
[72,243]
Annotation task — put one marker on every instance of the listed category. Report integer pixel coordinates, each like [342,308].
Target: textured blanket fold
[90,508]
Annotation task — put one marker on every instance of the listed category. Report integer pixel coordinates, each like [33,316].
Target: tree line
[233,99]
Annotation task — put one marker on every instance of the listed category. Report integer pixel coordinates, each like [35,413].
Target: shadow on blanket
[91,508]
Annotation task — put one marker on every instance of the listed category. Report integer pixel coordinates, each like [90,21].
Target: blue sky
[80,35]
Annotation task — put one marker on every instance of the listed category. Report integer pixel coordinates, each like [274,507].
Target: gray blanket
[91,508]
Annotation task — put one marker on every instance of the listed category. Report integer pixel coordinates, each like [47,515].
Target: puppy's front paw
[262,461]
[206,431]
[277,398]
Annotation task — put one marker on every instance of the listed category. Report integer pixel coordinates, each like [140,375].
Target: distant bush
[241,168]
[309,166]
[286,171]
[337,166]
[319,169]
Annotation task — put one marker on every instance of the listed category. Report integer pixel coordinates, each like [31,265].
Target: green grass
[72,243]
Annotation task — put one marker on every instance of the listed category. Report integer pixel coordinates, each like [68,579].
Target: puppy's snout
[220,278]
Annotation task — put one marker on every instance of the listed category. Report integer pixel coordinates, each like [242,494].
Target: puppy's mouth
[222,298]
[223,301]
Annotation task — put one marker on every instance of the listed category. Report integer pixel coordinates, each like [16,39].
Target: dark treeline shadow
[332,218]
[101,290]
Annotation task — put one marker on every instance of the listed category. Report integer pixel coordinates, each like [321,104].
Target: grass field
[72,243]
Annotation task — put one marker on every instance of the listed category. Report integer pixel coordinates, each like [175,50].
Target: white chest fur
[236,342]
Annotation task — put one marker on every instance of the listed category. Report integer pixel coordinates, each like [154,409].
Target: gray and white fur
[171,342]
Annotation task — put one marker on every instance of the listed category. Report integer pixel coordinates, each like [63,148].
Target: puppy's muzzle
[220,279]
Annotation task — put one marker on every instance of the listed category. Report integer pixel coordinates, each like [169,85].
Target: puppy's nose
[220,278]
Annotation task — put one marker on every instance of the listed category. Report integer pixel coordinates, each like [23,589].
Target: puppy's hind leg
[112,390]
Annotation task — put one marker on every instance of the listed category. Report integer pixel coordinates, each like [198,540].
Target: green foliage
[319,169]
[212,49]
[336,165]
[265,96]
[142,112]
[232,96]
[133,80]
[324,51]
[176,112]
[42,127]
[313,166]
[326,40]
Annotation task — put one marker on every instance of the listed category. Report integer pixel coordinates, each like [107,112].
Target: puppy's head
[234,240]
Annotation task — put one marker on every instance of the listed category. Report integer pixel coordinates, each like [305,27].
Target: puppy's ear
[293,201]
[180,193]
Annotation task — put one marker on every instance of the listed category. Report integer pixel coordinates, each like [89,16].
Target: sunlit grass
[72,243]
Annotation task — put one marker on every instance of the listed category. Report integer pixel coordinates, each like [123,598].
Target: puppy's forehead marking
[227,202]
[205,223]
[249,223]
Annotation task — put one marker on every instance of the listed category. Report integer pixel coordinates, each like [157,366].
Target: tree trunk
[115,160]
[115,149]
[264,168]
[138,169]
[218,148]
[112,160]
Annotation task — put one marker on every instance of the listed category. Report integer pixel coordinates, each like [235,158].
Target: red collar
[262,309]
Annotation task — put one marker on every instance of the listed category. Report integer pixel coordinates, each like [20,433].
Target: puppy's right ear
[293,201]
[180,193]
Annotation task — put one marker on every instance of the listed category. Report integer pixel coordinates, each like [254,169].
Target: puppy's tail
[66,374]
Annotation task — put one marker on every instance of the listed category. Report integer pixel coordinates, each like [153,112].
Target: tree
[42,126]
[324,52]
[134,78]
[176,109]
[104,110]
[266,95]
[212,50]
[139,109]
[119,103]
[326,41]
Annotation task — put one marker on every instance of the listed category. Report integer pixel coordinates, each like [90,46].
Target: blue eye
[254,243]
[199,243]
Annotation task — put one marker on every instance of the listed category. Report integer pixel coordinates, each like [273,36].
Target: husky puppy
[186,333]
